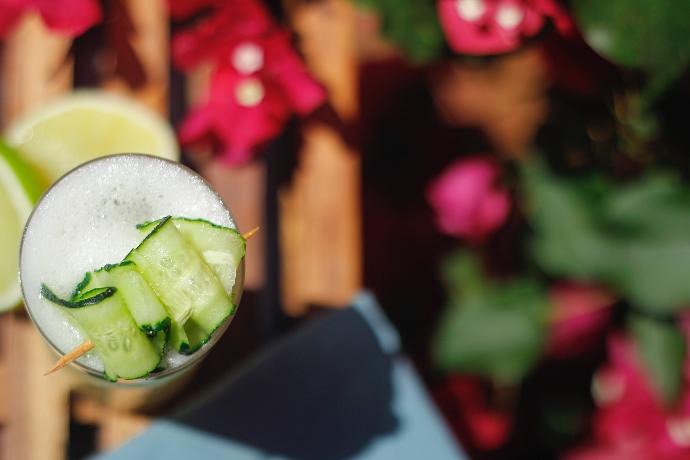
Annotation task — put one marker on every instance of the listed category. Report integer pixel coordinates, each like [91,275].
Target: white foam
[88,219]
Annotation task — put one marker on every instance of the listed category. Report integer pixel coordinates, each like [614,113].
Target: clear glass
[167,377]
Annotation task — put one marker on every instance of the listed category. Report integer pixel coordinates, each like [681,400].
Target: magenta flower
[67,17]
[483,27]
[468,200]
[580,315]
[213,38]
[258,80]
[631,422]
[470,415]
[182,9]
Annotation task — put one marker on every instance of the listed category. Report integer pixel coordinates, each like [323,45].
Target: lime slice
[85,125]
[19,190]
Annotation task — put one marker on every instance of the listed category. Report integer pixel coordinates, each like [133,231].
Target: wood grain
[320,210]
[36,407]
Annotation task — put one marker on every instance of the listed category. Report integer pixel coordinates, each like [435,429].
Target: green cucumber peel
[91,297]
[161,326]
[109,267]
[159,224]
[82,284]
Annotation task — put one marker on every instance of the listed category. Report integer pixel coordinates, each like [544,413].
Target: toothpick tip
[71,356]
[251,233]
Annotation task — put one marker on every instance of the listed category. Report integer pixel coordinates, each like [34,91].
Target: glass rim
[197,356]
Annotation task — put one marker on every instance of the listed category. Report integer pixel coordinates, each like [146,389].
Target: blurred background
[509,178]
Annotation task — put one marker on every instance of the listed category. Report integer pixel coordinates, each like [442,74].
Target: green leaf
[463,276]
[563,217]
[635,238]
[493,329]
[655,206]
[412,25]
[649,221]
[655,276]
[661,346]
[652,35]
[502,344]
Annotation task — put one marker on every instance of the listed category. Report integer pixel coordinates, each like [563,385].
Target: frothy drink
[88,219]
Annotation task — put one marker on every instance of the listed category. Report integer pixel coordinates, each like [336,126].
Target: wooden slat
[38,405]
[141,47]
[320,210]
[36,68]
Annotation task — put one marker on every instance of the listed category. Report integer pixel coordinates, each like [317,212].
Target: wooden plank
[39,406]
[37,417]
[27,83]
[138,46]
[320,210]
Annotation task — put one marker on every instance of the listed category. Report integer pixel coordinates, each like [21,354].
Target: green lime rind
[27,177]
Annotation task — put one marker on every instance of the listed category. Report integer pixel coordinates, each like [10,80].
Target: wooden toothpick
[250,233]
[88,345]
[71,356]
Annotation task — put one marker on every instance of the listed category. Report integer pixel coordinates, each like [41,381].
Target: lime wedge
[85,125]
[19,190]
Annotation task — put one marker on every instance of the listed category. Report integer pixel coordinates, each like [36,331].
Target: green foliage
[412,25]
[662,349]
[564,213]
[490,328]
[651,35]
[634,237]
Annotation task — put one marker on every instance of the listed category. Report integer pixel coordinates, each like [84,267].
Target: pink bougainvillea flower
[484,27]
[631,422]
[468,201]
[214,37]
[250,100]
[182,9]
[580,314]
[465,404]
[258,80]
[68,17]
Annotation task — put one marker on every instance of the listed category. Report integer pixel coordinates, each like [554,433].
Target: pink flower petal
[484,27]
[215,37]
[581,313]
[287,70]
[182,9]
[467,201]
[635,424]
[70,17]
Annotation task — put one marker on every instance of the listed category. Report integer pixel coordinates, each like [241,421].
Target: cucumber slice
[196,336]
[222,248]
[91,281]
[159,340]
[181,279]
[82,286]
[125,350]
[88,298]
[178,338]
[142,302]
